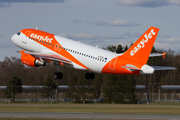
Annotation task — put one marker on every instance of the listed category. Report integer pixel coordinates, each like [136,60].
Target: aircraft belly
[92,64]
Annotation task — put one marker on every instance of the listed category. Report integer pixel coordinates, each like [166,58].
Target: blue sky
[95,22]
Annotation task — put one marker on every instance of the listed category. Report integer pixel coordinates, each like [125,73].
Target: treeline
[115,88]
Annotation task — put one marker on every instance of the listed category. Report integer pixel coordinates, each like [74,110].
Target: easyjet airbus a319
[41,47]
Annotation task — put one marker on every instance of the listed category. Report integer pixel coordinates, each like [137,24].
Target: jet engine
[29,60]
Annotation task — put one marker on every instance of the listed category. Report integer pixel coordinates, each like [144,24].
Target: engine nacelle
[29,60]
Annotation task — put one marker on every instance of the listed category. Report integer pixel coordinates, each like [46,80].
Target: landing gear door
[112,64]
[24,40]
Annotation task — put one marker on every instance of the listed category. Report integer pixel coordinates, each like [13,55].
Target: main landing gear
[89,75]
[57,75]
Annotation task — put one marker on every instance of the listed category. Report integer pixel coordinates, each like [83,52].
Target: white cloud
[173,2]
[4,4]
[116,23]
[7,3]
[79,36]
[87,36]
[173,40]
[167,46]
[76,21]
[148,3]
[169,43]
[31,1]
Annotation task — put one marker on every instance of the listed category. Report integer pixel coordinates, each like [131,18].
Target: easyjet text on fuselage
[43,38]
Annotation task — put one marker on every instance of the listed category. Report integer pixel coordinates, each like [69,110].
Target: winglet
[164,54]
[141,49]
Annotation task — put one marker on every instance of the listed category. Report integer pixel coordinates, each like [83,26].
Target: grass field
[153,108]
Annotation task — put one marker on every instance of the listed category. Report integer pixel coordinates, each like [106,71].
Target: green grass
[153,108]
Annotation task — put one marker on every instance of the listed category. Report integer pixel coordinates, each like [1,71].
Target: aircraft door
[112,64]
[24,40]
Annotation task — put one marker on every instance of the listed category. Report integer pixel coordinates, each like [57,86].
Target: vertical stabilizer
[141,49]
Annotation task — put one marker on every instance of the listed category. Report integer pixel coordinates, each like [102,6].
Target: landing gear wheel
[92,75]
[89,75]
[58,75]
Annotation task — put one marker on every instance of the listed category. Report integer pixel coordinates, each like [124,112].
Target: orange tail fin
[141,49]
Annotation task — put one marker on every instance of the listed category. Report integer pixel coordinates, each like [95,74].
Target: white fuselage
[93,58]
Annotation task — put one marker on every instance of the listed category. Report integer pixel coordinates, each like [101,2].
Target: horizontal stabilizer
[163,68]
[130,67]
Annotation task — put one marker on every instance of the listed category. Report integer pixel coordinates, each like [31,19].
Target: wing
[132,68]
[157,54]
[49,56]
[163,68]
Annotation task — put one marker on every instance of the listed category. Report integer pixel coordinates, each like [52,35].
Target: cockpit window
[18,33]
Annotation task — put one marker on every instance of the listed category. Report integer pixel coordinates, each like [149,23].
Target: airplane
[41,47]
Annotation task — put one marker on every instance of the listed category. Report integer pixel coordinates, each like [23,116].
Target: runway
[66,115]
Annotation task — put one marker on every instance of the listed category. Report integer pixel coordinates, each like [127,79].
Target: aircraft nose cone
[13,38]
